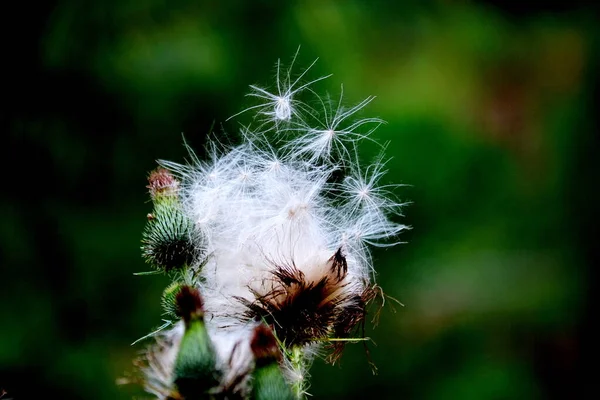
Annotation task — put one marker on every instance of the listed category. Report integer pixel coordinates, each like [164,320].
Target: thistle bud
[268,381]
[195,367]
[167,240]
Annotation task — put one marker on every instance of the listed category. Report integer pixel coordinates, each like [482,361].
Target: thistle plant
[267,244]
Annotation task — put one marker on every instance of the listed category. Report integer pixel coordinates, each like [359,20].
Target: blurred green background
[492,124]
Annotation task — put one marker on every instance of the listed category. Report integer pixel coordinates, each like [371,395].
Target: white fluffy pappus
[286,219]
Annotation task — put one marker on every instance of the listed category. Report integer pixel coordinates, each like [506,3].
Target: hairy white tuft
[281,104]
[333,133]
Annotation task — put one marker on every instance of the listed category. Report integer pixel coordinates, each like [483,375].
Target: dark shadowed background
[492,124]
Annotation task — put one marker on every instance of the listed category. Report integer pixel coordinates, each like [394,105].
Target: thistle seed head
[275,233]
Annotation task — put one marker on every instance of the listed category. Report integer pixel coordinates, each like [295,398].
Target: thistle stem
[299,366]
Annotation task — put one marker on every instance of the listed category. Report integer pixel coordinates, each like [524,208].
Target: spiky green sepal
[167,240]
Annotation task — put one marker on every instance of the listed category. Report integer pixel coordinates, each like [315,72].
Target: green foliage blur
[491,127]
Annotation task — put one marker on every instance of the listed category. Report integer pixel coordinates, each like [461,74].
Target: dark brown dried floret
[303,310]
[264,346]
[189,304]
